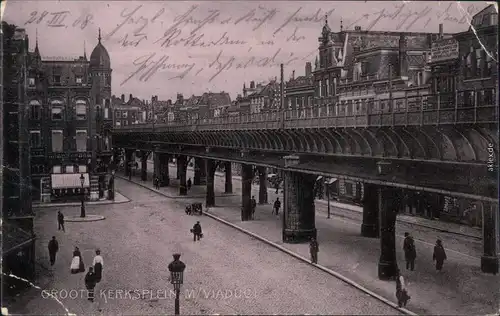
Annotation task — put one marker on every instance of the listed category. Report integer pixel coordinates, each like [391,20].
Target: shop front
[69,186]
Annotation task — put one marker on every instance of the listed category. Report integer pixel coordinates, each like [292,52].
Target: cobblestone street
[460,289]
[137,240]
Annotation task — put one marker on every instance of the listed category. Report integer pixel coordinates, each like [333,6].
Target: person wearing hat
[314,249]
[90,283]
[439,255]
[98,265]
[196,230]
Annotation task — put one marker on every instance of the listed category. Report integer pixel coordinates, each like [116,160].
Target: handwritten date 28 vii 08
[59,19]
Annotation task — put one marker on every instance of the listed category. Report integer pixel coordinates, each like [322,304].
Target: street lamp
[176,269]
[82,207]
[328,196]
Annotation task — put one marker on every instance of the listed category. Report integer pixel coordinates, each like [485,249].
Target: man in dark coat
[60,220]
[90,283]
[276,206]
[410,251]
[196,231]
[439,255]
[254,206]
[189,183]
[53,248]
[314,249]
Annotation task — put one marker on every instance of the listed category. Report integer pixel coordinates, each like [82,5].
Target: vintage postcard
[249,157]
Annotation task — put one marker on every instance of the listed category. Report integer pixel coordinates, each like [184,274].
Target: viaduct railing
[460,107]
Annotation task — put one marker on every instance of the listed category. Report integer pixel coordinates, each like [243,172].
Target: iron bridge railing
[459,107]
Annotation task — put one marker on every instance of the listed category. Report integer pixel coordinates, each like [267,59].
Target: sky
[191,47]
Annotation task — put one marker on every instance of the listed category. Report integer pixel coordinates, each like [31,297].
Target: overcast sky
[164,48]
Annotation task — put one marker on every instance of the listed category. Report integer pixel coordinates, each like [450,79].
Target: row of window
[478,63]
[42,169]
[57,110]
[300,102]
[57,140]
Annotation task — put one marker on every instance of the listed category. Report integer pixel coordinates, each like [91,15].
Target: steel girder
[466,143]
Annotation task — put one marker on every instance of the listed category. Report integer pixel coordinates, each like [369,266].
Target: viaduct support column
[157,165]
[181,170]
[389,200]
[200,170]
[128,162]
[246,191]
[262,185]
[144,165]
[298,211]
[211,166]
[164,170]
[370,227]
[228,186]
[489,259]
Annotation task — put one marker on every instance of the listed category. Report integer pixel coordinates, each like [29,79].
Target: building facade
[299,92]
[18,246]
[70,126]
[129,112]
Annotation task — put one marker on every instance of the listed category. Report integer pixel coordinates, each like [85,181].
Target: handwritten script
[59,19]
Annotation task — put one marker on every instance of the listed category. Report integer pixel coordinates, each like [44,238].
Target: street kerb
[329,271]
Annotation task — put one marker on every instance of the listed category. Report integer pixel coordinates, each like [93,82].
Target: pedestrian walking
[60,221]
[401,290]
[53,248]
[77,264]
[155,182]
[196,230]
[90,283]
[277,186]
[189,183]
[314,249]
[439,255]
[277,206]
[254,206]
[98,264]
[410,251]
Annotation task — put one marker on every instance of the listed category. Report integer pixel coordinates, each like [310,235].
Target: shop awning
[331,180]
[69,180]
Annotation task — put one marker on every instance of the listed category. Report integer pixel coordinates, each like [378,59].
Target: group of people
[410,251]
[94,274]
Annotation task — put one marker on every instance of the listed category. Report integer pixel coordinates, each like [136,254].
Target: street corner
[87,218]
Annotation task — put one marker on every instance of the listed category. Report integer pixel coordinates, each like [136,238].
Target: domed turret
[100,57]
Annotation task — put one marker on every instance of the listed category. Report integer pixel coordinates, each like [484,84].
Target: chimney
[403,60]
[293,74]
[252,84]
[130,97]
[123,98]
[440,30]
[308,69]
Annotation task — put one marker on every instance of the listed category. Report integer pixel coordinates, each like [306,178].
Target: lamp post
[176,269]
[82,207]
[327,183]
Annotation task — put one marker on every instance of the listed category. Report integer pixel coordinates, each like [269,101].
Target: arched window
[81,109]
[57,108]
[36,110]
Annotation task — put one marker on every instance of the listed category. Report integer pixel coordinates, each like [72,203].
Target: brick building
[128,112]
[299,92]
[70,125]
[18,246]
